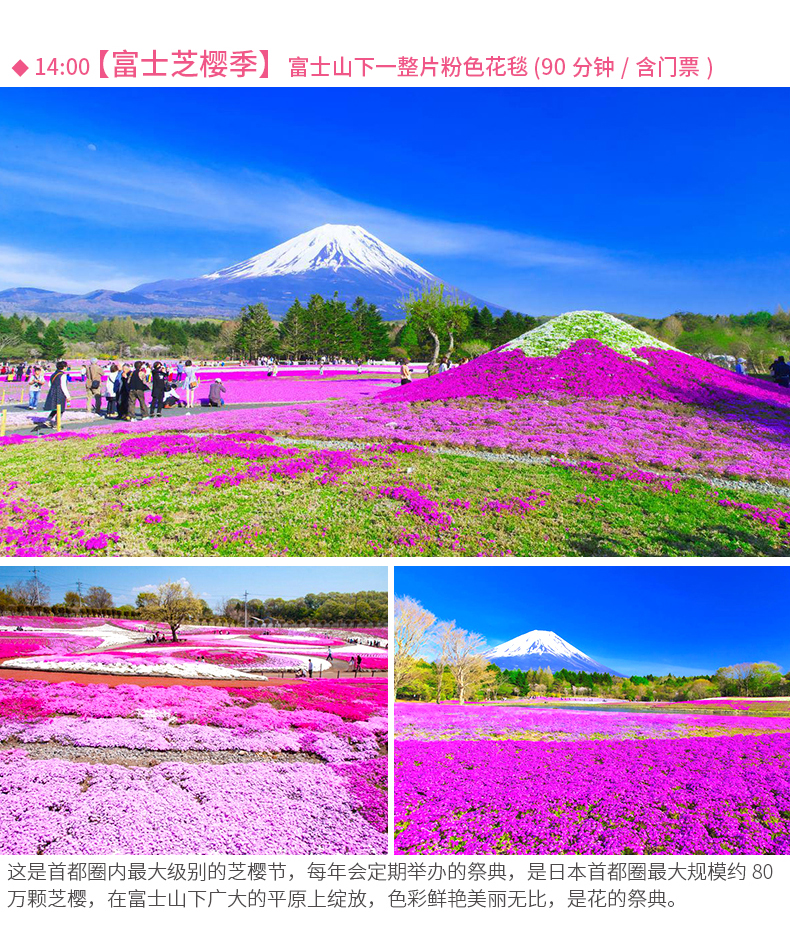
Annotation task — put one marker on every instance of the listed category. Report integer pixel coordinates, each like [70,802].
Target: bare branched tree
[412,624]
[466,661]
[442,635]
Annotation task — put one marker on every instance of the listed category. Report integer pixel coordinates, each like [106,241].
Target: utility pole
[246,622]
[79,593]
[38,588]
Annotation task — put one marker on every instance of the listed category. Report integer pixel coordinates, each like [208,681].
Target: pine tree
[31,335]
[374,339]
[314,318]
[486,324]
[52,346]
[256,334]
[293,330]
[340,337]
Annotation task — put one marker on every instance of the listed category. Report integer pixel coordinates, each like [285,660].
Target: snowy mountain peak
[328,247]
[541,649]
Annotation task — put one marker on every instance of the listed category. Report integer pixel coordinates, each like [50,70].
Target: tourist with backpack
[93,375]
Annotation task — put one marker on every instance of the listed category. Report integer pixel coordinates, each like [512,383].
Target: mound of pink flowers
[255,386]
[590,370]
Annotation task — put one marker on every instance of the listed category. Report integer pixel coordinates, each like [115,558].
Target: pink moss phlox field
[339,723]
[369,661]
[52,622]
[29,530]
[351,700]
[59,808]
[677,437]
[245,446]
[781,706]
[711,795]
[778,519]
[29,643]
[230,657]
[326,465]
[311,640]
[612,473]
[471,722]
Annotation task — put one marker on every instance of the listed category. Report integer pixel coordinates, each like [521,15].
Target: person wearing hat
[215,392]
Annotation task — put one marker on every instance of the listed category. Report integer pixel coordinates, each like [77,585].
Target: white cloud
[154,587]
[116,187]
[21,267]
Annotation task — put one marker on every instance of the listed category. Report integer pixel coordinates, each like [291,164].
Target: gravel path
[127,756]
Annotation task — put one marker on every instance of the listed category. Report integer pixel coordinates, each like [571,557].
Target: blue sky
[540,200]
[212,583]
[659,619]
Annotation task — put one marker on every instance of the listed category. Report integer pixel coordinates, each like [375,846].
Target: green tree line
[742,679]
[327,609]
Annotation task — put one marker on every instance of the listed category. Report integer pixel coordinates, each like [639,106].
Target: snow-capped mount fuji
[329,247]
[540,649]
[331,258]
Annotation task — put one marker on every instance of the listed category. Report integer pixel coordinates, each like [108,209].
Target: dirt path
[129,756]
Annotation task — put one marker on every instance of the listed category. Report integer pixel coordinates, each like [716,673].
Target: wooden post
[58,408]
[2,424]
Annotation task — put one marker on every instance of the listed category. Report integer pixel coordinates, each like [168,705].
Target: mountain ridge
[330,258]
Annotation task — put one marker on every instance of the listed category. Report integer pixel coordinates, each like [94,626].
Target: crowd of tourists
[119,389]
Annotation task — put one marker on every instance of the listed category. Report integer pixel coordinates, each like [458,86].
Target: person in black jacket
[781,371]
[122,392]
[138,387]
[158,389]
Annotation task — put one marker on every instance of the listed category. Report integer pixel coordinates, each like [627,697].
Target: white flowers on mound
[557,334]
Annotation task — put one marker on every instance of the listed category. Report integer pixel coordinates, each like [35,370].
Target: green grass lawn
[302,517]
